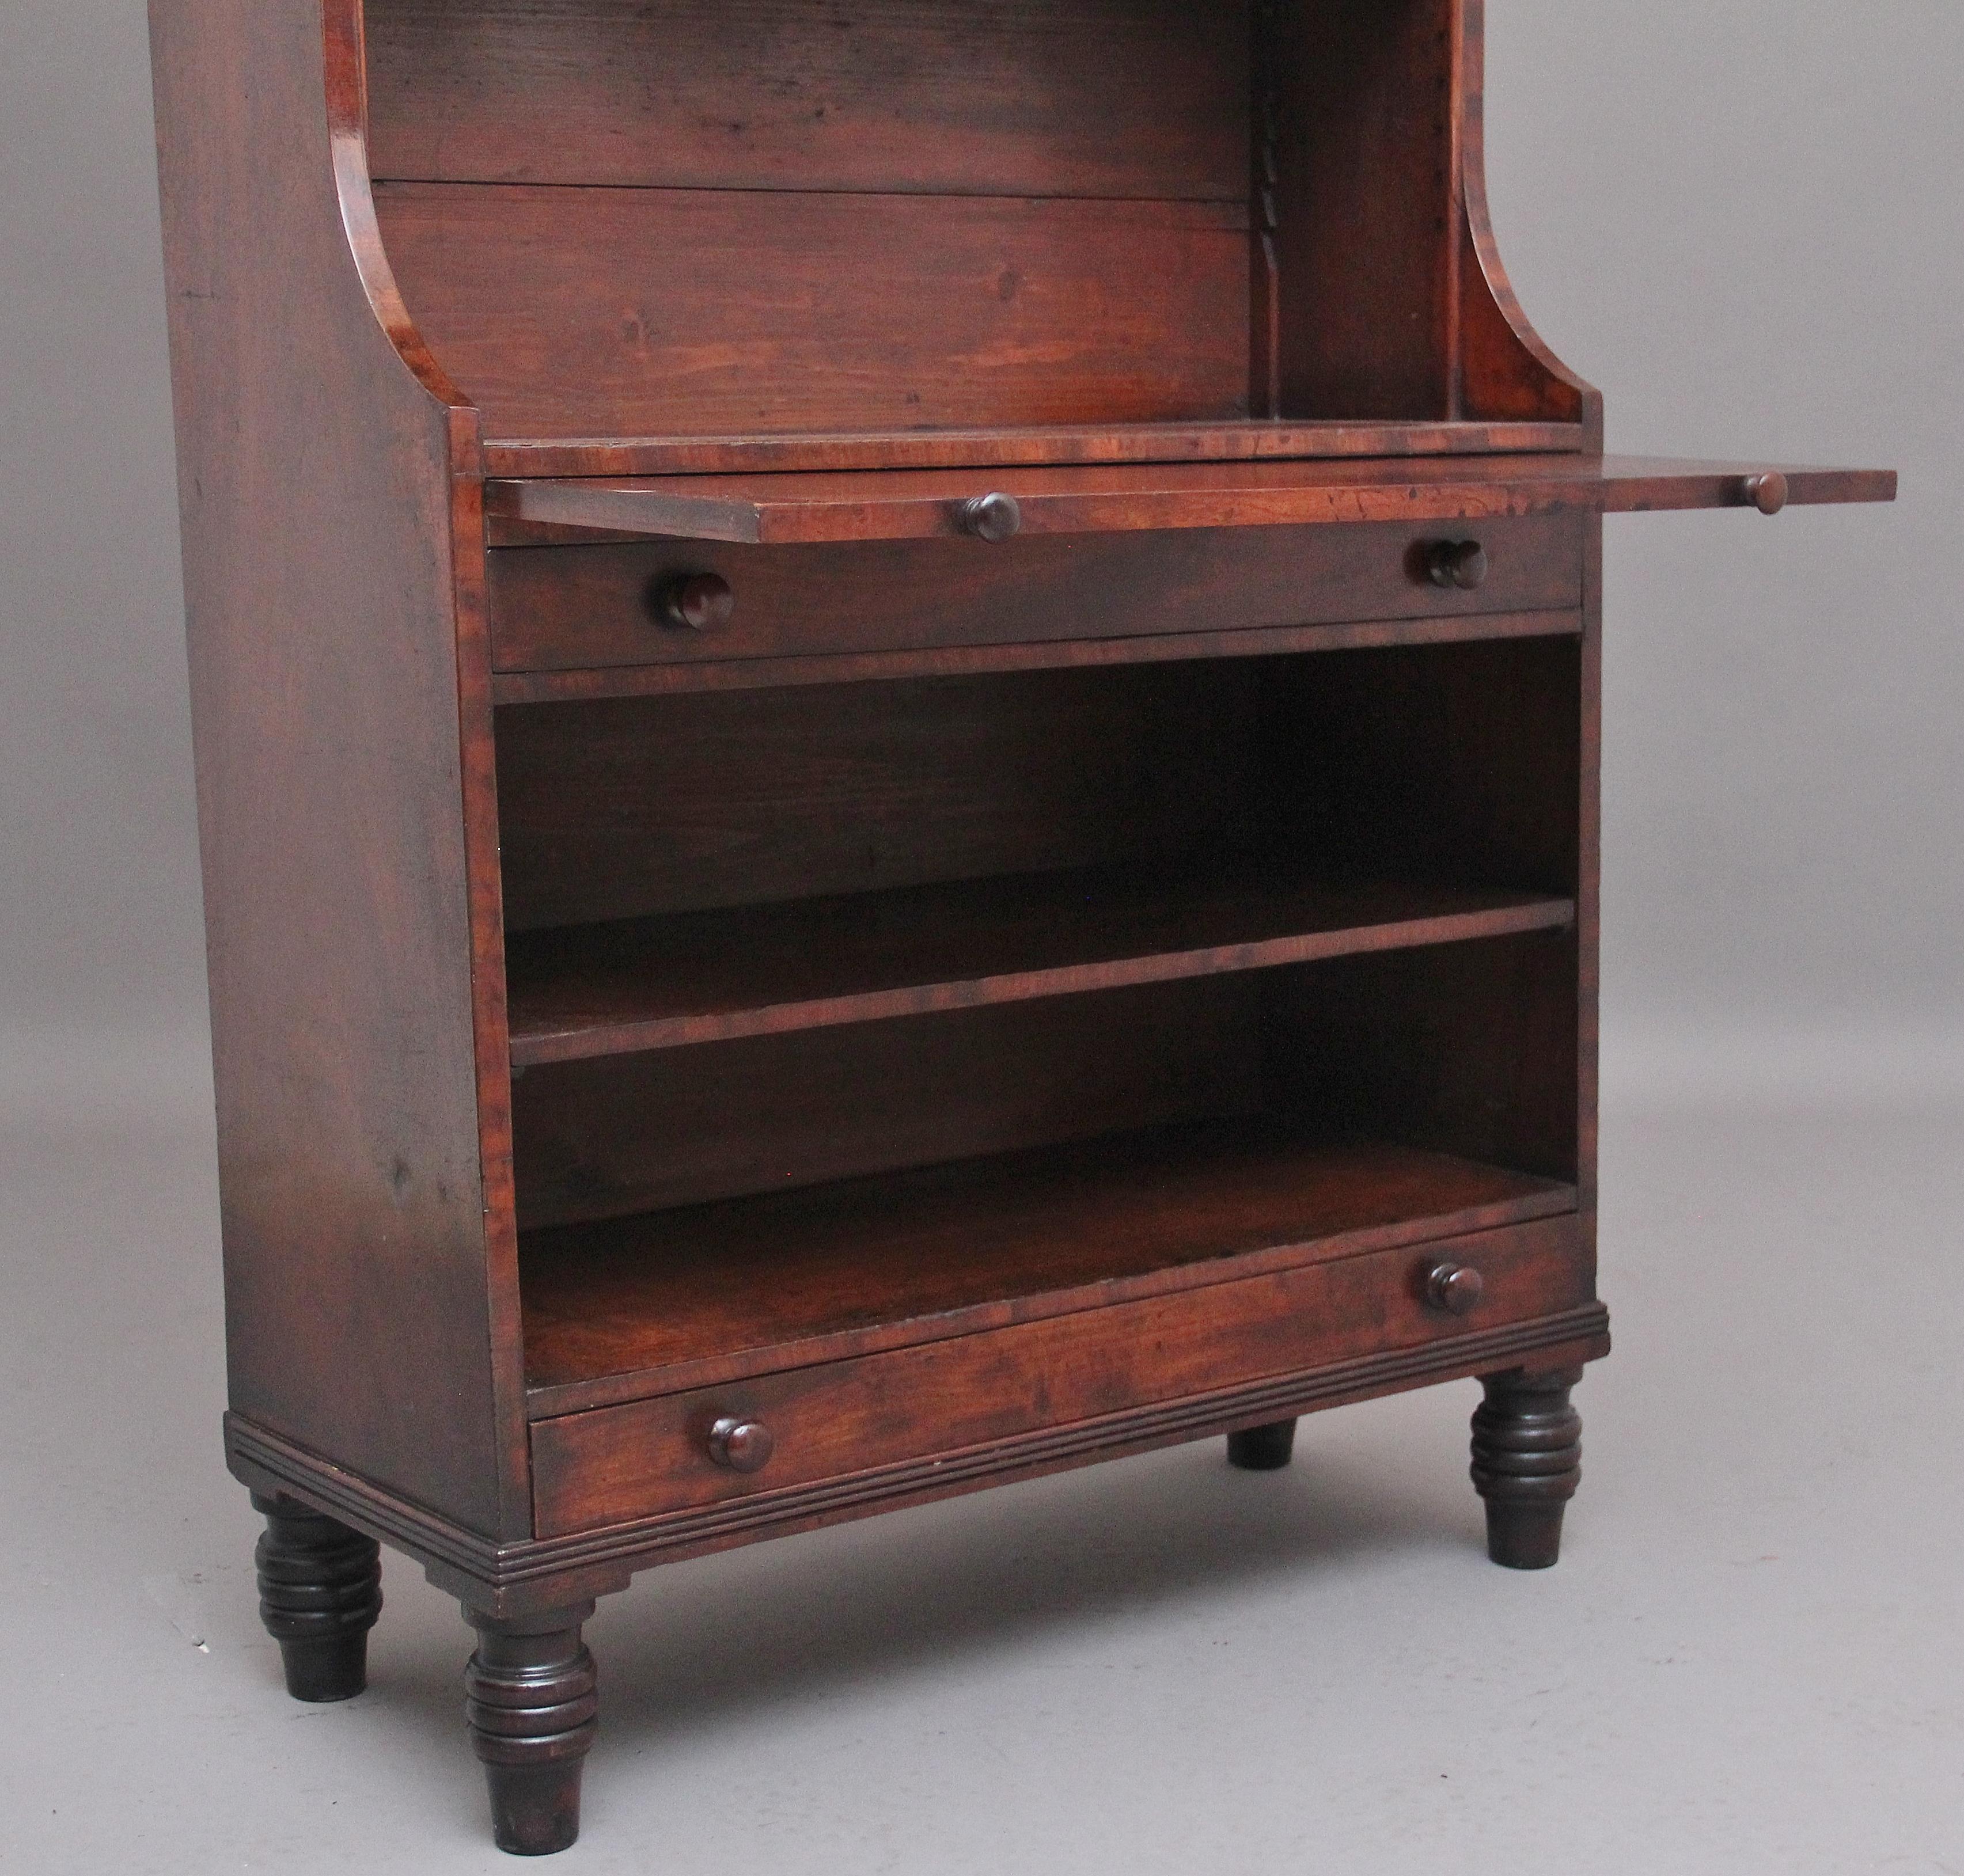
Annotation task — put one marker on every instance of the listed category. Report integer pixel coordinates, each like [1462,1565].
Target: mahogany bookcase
[896,725]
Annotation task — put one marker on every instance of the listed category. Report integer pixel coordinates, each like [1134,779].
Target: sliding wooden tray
[912,505]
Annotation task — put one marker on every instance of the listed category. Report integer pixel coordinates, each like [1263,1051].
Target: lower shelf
[819,1438]
[632,1307]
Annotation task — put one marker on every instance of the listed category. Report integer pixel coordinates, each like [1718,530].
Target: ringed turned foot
[320,1590]
[532,1700]
[1527,1462]
[1262,1448]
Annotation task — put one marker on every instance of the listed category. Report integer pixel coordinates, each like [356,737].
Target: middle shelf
[580,992]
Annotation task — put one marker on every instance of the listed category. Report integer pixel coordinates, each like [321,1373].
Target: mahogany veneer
[652,983]
[661,1301]
[913,504]
[897,730]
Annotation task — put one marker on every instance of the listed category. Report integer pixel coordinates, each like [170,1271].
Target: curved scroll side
[1507,369]
[343,39]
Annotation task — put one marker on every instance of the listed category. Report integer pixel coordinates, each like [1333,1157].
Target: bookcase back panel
[640,805]
[1361,94]
[1143,98]
[761,221]
[1457,764]
[1469,1049]
[594,312]
[1451,765]
[631,1134]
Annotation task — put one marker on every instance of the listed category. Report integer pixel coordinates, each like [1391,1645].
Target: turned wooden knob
[988,517]
[742,1446]
[1454,1289]
[1460,563]
[696,602]
[1767,492]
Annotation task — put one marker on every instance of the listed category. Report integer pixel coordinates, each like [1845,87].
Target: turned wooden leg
[320,1590]
[1527,1462]
[530,1696]
[1262,1448]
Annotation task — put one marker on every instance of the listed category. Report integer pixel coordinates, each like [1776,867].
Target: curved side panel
[328,541]
[1506,372]
[347,82]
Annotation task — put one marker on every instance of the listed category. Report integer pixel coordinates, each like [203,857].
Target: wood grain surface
[783,1279]
[1129,99]
[666,982]
[584,607]
[364,1314]
[613,1464]
[611,1136]
[905,504]
[577,313]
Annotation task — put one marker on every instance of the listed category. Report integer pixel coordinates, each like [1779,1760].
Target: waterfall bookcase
[896,725]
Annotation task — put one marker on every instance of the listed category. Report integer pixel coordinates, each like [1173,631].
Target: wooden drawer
[616,1464]
[572,607]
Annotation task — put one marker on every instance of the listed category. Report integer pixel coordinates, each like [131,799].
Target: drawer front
[568,608]
[616,1464]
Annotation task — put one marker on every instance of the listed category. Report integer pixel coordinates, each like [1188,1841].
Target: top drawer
[572,607]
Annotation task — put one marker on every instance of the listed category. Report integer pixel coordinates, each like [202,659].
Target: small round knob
[1767,492]
[742,1446]
[1454,1289]
[1460,563]
[696,602]
[988,517]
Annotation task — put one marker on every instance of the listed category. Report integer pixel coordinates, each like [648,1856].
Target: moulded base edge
[514,1578]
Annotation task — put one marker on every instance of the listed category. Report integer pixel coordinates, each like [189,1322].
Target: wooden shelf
[1243,440]
[651,983]
[911,504]
[668,1300]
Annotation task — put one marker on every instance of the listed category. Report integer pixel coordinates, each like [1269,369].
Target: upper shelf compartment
[909,505]
[686,236]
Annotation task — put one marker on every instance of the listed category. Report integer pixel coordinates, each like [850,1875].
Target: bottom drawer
[823,1423]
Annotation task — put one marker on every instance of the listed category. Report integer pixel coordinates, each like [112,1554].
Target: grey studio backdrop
[1744,222]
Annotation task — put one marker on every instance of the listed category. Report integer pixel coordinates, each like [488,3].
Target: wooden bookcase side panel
[333,650]
[1589,883]
[1504,369]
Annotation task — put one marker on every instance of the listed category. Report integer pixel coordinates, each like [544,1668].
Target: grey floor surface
[1751,1658]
